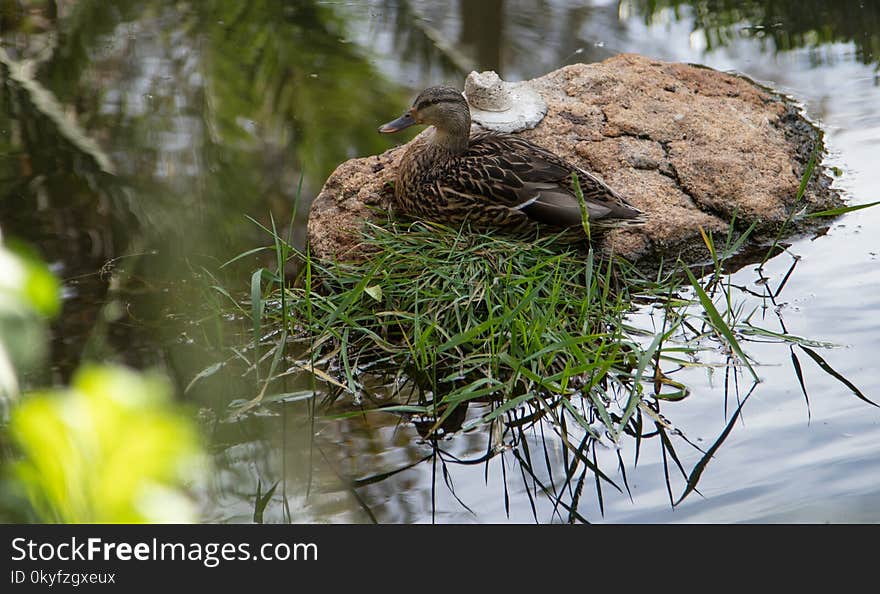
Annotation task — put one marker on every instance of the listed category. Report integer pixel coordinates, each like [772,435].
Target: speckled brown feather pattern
[496,180]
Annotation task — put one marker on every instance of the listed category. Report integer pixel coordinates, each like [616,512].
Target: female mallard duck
[493,179]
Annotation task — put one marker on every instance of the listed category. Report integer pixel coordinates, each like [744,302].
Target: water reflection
[786,24]
[210,111]
[206,113]
[516,38]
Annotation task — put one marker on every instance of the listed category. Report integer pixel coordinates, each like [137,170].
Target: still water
[156,128]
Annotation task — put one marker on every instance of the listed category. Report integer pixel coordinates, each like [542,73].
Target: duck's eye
[429,102]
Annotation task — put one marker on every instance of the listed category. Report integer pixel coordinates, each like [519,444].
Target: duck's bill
[404,121]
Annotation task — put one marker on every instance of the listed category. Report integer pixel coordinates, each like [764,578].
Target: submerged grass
[447,316]
[439,317]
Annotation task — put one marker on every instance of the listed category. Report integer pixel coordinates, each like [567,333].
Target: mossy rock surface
[691,146]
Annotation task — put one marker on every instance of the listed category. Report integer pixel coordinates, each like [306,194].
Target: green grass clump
[440,316]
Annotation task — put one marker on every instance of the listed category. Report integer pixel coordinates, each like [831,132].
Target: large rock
[688,145]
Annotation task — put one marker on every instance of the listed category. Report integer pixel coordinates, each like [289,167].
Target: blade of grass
[833,212]
[717,322]
[833,373]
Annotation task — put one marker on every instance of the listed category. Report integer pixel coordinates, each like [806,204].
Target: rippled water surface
[157,127]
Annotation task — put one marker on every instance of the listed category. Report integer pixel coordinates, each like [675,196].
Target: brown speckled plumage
[493,179]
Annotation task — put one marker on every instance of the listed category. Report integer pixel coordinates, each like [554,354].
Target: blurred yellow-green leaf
[29,294]
[112,448]
[26,279]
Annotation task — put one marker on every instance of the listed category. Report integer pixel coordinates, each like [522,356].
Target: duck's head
[444,108]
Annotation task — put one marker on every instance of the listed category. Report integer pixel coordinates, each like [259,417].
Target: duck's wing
[523,176]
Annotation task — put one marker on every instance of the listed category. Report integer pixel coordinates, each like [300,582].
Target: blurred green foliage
[29,294]
[112,448]
[27,280]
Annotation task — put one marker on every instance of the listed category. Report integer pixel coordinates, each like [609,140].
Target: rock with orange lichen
[690,146]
